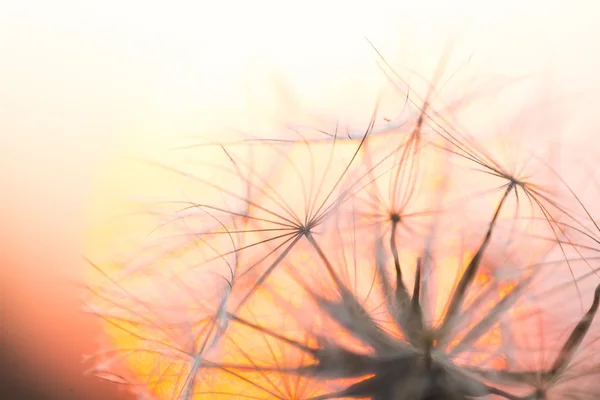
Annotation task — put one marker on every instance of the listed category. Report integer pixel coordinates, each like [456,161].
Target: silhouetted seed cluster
[319,274]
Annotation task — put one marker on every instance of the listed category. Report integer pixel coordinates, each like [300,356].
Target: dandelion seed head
[411,261]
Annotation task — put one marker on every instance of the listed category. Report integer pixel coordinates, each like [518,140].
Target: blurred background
[87,87]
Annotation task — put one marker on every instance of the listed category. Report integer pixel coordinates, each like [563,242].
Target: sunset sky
[86,87]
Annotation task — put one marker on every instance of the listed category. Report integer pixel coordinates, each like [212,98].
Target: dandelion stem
[467,277]
[573,342]
[416,312]
[324,258]
[401,293]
